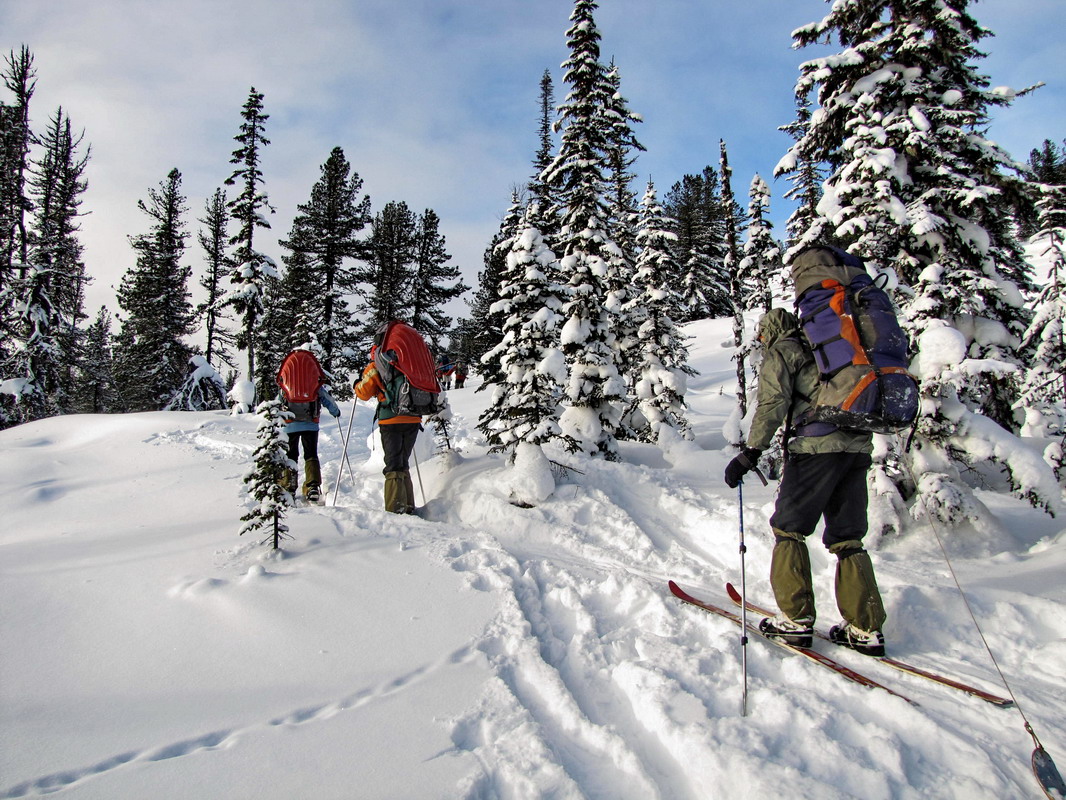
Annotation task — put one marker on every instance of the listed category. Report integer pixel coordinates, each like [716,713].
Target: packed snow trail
[484,650]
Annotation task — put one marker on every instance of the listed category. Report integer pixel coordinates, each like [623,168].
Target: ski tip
[731,590]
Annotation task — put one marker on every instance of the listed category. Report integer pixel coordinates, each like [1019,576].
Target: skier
[302,429]
[824,476]
[460,374]
[399,431]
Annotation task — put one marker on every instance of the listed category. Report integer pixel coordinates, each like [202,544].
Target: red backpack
[300,377]
[401,350]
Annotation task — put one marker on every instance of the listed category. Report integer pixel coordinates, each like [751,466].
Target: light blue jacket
[325,400]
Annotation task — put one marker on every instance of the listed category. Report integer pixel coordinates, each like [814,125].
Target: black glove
[736,469]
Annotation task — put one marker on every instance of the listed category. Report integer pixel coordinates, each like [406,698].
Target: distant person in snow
[824,476]
[302,383]
[460,374]
[398,424]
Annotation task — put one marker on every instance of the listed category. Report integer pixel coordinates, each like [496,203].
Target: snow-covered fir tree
[1047,167]
[805,225]
[917,189]
[1043,393]
[760,266]
[525,400]
[390,255]
[43,297]
[263,482]
[733,223]
[589,259]
[435,281]
[624,222]
[153,355]
[323,248]
[251,268]
[19,76]
[486,327]
[97,392]
[211,312]
[661,364]
[694,203]
[540,192]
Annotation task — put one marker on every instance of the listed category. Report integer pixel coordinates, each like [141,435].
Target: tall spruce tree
[486,325]
[20,78]
[661,366]
[1047,165]
[540,192]
[153,359]
[213,239]
[251,268]
[733,224]
[97,392]
[436,282]
[759,270]
[589,259]
[694,203]
[525,399]
[916,187]
[322,270]
[1043,396]
[45,300]
[390,256]
[805,226]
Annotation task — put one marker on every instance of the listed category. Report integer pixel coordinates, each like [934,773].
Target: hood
[776,324]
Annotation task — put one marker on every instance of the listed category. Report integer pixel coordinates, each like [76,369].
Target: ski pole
[744,594]
[418,472]
[743,605]
[344,455]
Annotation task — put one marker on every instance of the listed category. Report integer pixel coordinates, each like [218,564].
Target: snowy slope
[486,651]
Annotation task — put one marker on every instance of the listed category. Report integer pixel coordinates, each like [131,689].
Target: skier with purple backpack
[843,359]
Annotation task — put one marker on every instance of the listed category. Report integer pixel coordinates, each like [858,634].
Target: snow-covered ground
[485,650]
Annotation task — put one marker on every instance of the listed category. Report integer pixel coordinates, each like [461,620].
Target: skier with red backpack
[302,383]
[401,376]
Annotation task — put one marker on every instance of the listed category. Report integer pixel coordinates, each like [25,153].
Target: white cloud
[433,101]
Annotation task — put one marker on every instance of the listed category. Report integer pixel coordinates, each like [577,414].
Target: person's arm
[370,384]
[774,398]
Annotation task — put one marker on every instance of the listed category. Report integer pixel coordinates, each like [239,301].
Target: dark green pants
[829,486]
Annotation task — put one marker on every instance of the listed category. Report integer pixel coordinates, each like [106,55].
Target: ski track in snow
[600,685]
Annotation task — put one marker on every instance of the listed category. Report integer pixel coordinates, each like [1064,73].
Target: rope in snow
[1040,755]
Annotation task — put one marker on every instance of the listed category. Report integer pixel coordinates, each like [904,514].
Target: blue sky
[435,101]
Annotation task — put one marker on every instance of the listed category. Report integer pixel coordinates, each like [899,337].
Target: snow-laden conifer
[263,482]
[1044,343]
[661,355]
[321,269]
[525,400]
[589,259]
[919,190]
[760,266]
[153,355]
[435,281]
[252,269]
[211,312]
[486,327]
[695,205]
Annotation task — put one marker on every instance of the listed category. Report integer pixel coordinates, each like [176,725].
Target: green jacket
[788,379]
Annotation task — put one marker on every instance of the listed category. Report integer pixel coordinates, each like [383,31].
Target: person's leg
[806,485]
[397,442]
[312,468]
[858,598]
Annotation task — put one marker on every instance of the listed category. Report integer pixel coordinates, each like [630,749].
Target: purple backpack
[861,351]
